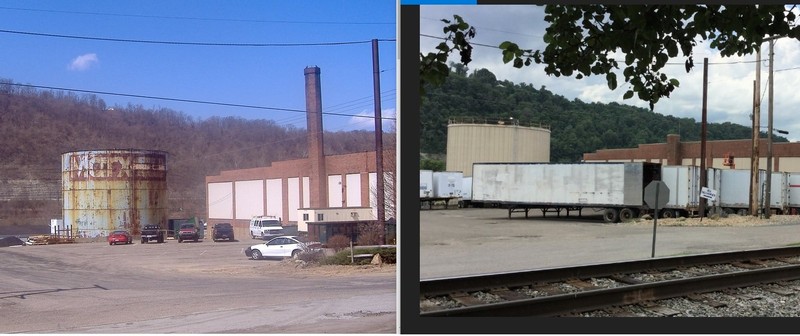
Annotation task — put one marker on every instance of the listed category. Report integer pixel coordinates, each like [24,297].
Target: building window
[305,217]
[319,217]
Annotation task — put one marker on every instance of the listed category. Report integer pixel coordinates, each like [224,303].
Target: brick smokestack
[316,155]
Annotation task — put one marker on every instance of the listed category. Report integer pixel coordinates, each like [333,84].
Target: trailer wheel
[728,211]
[611,215]
[668,213]
[626,214]
[742,212]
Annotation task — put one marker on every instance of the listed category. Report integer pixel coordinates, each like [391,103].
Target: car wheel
[110,243]
[295,254]
[180,240]
[256,254]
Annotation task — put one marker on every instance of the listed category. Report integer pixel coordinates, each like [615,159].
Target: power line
[189,100]
[671,63]
[197,18]
[216,44]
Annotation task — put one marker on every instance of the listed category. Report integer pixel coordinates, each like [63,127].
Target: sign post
[656,195]
[709,194]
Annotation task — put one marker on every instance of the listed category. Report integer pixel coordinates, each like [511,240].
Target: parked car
[152,232]
[120,236]
[280,247]
[222,231]
[188,231]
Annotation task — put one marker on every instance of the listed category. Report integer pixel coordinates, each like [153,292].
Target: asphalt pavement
[459,242]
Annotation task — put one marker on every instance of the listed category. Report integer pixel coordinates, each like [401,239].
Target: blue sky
[266,76]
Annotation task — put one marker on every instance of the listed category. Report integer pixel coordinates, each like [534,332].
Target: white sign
[709,194]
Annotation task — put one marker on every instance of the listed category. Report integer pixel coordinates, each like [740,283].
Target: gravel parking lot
[204,287]
[458,242]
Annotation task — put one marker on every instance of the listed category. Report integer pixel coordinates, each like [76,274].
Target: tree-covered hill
[37,126]
[577,127]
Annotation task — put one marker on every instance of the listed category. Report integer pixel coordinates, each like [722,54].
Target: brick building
[318,181]
[785,156]
[235,196]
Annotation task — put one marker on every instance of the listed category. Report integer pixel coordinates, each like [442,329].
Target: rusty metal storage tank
[106,190]
[471,140]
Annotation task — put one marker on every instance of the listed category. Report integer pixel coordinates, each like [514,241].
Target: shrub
[388,255]
[338,242]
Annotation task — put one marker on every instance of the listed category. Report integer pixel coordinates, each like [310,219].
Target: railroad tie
[625,279]
[466,299]
[509,295]
[581,284]
[706,300]
[663,311]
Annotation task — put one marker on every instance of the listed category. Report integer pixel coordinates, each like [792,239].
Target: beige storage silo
[473,140]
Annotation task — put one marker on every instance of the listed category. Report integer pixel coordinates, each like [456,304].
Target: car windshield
[187,226]
[118,232]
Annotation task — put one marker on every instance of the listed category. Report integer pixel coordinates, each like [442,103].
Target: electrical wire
[318,44]
[197,18]
[188,100]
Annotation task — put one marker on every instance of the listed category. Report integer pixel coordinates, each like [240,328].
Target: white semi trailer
[616,188]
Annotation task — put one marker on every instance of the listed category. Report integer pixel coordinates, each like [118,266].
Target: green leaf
[675,82]
[507,56]
[547,38]
[506,44]
[612,80]
[628,95]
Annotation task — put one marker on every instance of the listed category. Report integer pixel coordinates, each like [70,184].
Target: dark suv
[188,231]
[152,232]
[222,231]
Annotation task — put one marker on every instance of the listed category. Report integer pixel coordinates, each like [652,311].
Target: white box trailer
[684,190]
[466,192]
[425,183]
[793,192]
[617,188]
[734,190]
[447,184]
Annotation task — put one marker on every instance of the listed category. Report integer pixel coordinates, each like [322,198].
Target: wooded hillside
[577,127]
[37,126]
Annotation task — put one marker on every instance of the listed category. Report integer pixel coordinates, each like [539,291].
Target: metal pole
[767,204]
[754,162]
[655,222]
[376,78]
[703,181]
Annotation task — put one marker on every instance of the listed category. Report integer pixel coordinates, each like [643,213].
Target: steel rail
[444,286]
[602,298]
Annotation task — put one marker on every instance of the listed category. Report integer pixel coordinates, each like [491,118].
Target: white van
[265,227]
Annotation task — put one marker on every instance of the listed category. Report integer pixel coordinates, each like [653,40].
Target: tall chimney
[319,176]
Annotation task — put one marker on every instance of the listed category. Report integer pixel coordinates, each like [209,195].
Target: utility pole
[767,207]
[754,159]
[380,200]
[703,173]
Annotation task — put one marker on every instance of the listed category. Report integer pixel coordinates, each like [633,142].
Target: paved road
[202,287]
[459,242]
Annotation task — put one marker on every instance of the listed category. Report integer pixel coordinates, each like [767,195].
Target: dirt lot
[203,287]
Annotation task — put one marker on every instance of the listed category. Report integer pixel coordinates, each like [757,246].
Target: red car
[120,236]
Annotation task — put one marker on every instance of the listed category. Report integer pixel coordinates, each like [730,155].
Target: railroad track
[571,290]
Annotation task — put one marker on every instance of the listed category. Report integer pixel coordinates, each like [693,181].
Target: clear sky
[730,87]
[206,64]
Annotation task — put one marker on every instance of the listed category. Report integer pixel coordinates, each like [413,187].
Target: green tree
[580,39]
